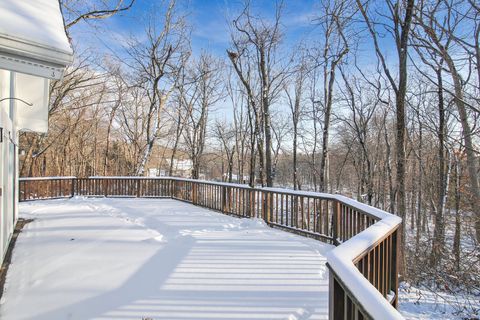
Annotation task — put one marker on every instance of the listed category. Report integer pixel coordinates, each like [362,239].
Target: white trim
[34,50]
[31,66]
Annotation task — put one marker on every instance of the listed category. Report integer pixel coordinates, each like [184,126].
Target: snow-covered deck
[109,258]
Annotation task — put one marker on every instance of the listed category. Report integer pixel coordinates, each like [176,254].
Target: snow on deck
[159,259]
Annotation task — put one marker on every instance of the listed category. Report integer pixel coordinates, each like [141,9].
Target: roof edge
[37,51]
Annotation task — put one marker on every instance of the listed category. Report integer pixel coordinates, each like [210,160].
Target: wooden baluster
[224,196]
[276,207]
[287,210]
[394,272]
[387,265]
[308,213]
[281,208]
[321,217]
[302,209]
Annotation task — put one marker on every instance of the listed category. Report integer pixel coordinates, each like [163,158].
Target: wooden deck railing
[363,267]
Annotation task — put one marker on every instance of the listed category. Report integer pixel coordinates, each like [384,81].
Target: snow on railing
[341,261]
[363,277]
[47,178]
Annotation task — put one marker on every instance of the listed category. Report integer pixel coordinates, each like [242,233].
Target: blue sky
[209,21]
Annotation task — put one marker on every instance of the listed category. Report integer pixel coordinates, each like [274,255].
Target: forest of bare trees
[381,104]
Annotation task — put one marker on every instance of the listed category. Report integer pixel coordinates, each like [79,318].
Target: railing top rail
[227,184]
[128,177]
[218,183]
[300,193]
[46,178]
[364,208]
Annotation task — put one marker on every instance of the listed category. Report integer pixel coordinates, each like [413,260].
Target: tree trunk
[439,231]
[266,117]
[467,136]
[324,168]
[295,169]
[466,130]
[268,148]
[456,238]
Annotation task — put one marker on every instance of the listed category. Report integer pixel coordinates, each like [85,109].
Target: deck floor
[159,259]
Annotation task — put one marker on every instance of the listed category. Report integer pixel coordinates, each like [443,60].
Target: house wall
[8,161]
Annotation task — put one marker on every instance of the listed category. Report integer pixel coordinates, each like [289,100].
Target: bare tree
[75,11]
[400,15]
[362,101]
[314,116]
[241,126]
[280,128]
[157,62]
[225,133]
[333,49]
[258,40]
[294,102]
[440,21]
[205,91]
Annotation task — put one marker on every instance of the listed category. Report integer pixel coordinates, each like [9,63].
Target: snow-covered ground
[159,259]
[417,303]
[442,292]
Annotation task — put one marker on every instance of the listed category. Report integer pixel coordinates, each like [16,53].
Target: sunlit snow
[159,259]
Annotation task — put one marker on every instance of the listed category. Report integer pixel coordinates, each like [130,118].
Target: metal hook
[27,103]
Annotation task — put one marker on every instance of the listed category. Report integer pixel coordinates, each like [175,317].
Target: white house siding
[14,117]
[33,49]
[8,162]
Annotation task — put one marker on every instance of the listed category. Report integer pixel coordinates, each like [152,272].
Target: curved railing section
[363,266]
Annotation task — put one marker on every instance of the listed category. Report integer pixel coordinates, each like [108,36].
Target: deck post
[137,185]
[394,273]
[266,203]
[337,300]
[105,187]
[336,221]
[73,187]
[224,198]
[265,206]
[250,195]
[194,193]
[269,207]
